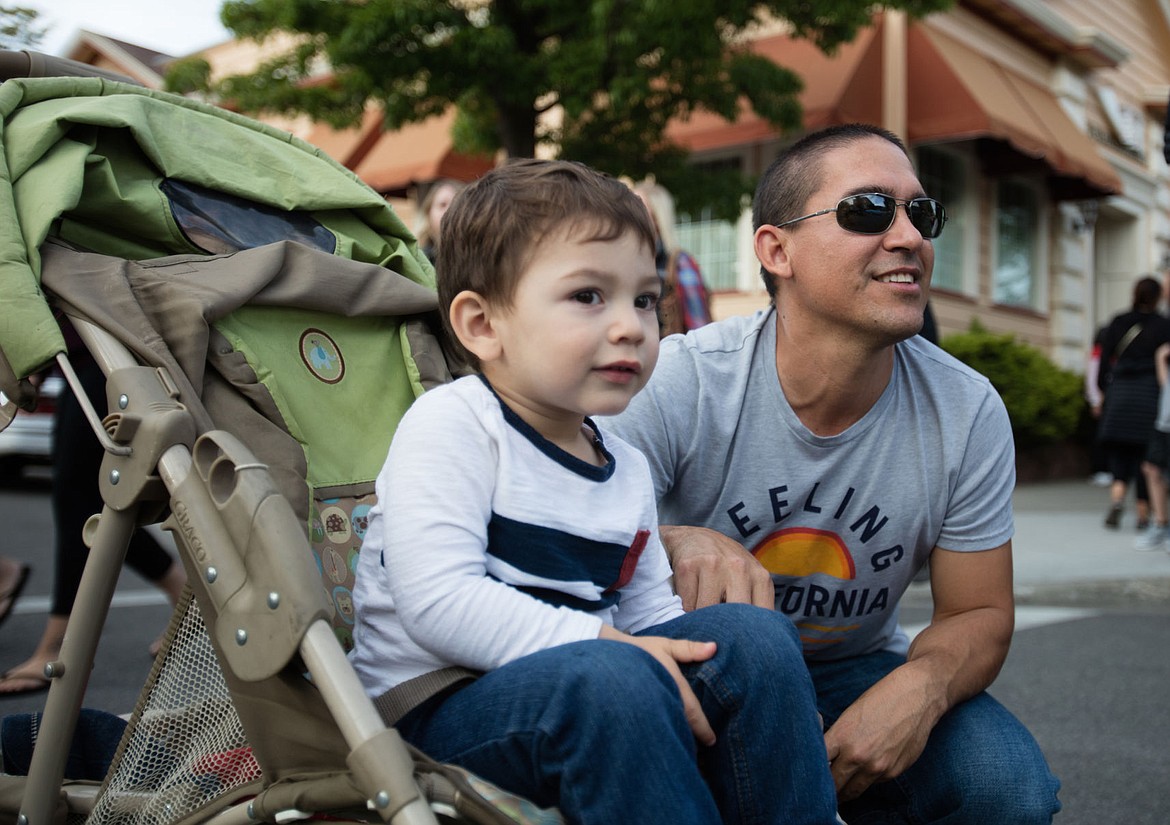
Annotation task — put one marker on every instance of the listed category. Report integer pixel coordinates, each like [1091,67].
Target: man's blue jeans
[597,728]
[980,766]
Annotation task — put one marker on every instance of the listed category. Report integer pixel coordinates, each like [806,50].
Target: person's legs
[768,763]
[1154,536]
[980,764]
[77,461]
[1125,465]
[1157,456]
[13,577]
[1156,485]
[29,675]
[75,496]
[1141,490]
[595,728]
[1117,488]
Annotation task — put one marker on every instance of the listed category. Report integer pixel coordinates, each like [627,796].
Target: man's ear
[771,246]
[471,319]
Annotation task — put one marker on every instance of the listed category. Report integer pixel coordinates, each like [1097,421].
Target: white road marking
[122,598]
[1028,616]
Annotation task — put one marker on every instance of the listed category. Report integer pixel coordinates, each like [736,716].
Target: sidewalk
[1064,555]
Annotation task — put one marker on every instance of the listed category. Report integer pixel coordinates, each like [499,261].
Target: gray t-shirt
[842,522]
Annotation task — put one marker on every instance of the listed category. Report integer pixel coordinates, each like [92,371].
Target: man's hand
[881,734]
[669,652]
[953,659]
[710,568]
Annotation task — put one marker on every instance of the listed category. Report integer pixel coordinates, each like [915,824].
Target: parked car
[29,438]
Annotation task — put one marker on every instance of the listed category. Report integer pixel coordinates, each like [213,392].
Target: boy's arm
[436,491]
[1160,366]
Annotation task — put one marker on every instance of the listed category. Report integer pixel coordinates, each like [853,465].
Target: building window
[713,244]
[1017,236]
[944,178]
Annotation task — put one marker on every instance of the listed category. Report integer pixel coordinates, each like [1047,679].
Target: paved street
[1088,672]
[1090,662]
[139,613]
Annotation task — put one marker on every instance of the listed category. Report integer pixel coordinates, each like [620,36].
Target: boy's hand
[669,652]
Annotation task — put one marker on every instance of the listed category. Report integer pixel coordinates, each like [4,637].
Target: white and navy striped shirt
[489,542]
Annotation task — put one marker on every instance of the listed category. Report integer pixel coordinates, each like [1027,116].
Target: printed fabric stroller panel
[263,319]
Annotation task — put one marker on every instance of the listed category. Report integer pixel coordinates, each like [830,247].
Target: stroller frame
[160,451]
[251,575]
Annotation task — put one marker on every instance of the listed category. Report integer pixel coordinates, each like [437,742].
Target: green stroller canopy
[90,161]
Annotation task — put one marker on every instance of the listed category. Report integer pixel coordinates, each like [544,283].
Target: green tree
[18,28]
[616,70]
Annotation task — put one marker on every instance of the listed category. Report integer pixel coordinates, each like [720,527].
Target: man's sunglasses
[873,213]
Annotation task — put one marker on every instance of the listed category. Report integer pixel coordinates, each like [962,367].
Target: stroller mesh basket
[185,745]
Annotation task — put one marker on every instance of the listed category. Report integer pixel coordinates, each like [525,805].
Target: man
[820,454]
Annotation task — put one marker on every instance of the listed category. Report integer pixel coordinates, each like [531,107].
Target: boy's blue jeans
[597,728]
[980,766]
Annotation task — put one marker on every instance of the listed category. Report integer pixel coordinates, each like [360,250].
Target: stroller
[263,319]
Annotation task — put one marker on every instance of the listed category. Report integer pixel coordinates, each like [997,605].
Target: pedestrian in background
[1130,386]
[77,458]
[430,214]
[685,303]
[929,329]
[1157,462]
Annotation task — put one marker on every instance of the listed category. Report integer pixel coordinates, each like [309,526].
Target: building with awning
[1053,214]
[956,93]
[398,162]
[952,93]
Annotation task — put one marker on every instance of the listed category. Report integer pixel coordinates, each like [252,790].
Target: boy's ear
[471,319]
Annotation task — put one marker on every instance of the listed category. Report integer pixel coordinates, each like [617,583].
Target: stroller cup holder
[249,555]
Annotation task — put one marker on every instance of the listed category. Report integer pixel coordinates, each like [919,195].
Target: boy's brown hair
[494,225]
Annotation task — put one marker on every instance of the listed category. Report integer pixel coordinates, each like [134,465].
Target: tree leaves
[592,80]
[19,29]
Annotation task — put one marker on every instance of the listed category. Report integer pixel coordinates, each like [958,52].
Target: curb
[1142,593]
[1136,593]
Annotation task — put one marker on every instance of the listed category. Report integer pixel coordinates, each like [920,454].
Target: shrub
[1044,402]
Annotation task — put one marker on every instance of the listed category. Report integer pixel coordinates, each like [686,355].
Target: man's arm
[710,568]
[958,655]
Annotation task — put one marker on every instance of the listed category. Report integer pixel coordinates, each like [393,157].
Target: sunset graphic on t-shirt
[803,551]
